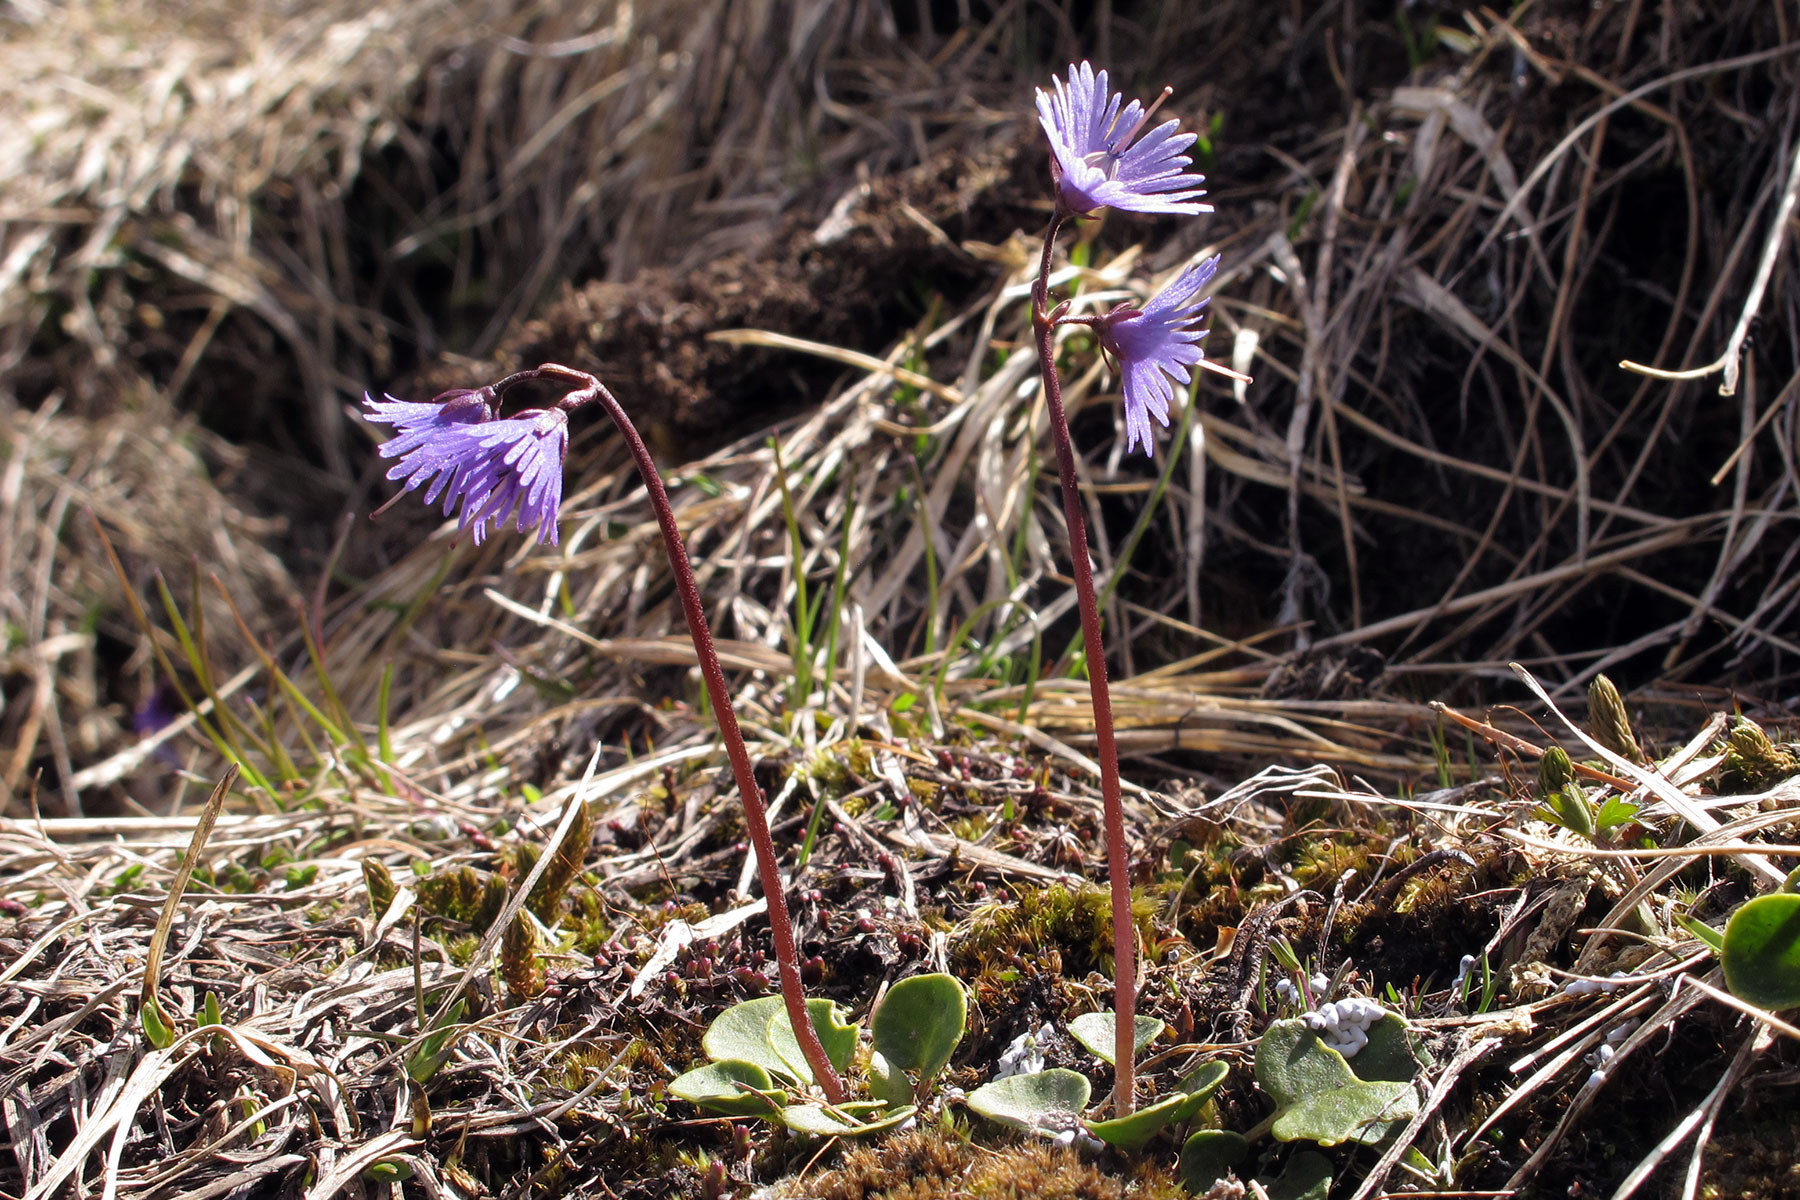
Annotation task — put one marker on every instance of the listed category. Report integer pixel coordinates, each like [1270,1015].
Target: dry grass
[1432,269]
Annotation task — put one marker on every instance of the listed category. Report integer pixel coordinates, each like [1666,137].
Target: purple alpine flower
[1156,345]
[491,467]
[1094,162]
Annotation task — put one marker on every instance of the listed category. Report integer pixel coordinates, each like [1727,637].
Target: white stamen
[1145,118]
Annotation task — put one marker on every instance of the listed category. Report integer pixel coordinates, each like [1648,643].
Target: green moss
[586,925]
[693,913]
[1074,922]
[454,894]
[379,883]
[576,1067]
[521,966]
[840,768]
[545,901]
[972,827]
[1321,861]
[461,948]
[488,908]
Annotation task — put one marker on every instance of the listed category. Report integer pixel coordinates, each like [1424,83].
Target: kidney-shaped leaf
[919,1024]
[1762,951]
[1319,1097]
[838,1038]
[742,1032]
[1207,1155]
[1359,1112]
[731,1087]
[758,1031]
[1097,1031]
[1050,1100]
[1390,1054]
[1308,1177]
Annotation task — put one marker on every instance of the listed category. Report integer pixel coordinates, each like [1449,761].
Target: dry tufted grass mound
[796,238]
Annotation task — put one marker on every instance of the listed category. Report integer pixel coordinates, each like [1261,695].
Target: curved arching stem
[787,959]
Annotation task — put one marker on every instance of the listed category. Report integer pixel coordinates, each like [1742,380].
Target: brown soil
[895,256]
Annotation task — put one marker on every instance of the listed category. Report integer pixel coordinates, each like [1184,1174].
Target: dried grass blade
[1702,1115]
[166,920]
[346,1169]
[851,358]
[115,1112]
[1761,1015]
[1658,1023]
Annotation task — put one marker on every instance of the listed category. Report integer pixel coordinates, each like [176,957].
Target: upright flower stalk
[1098,160]
[495,467]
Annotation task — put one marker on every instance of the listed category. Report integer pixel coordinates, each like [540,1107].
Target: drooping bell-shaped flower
[493,468]
[1156,345]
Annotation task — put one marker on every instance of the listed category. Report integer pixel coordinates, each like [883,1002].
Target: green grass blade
[801,643]
[840,580]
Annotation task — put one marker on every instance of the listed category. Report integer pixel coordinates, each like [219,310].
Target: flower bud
[1610,722]
[1555,771]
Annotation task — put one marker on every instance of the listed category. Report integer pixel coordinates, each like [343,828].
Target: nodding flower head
[492,467]
[1155,346]
[1099,161]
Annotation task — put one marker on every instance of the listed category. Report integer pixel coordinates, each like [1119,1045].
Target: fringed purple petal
[489,468]
[1094,161]
[1156,347]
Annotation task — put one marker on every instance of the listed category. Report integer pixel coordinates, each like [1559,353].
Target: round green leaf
[1097,1031]
[919,1024]
[845,1120]
[1319,1097]
[1762,951]
[758,1031]
[1207,1155]
[1390,1055]
[1199,1087]
[742,1032]
[1291,1062]
[1308,1177]
[838,1039]
[1362,1112]
[1128,1133]
[1050,1100]
[730,1087]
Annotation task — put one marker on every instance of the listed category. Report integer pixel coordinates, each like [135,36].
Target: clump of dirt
[858,276]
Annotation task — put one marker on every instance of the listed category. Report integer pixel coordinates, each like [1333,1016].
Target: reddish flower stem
[787,958]
[1118,867]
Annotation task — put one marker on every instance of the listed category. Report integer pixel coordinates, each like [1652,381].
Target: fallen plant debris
[292,986]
